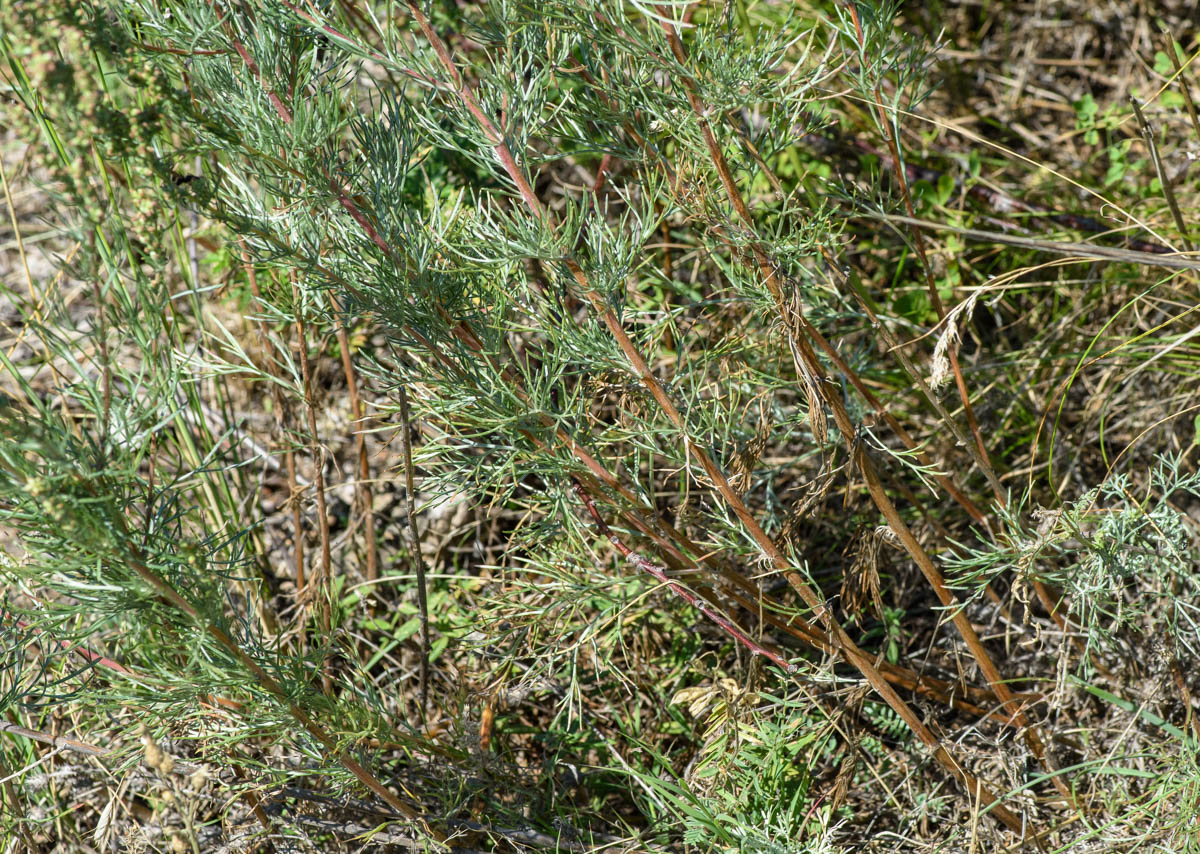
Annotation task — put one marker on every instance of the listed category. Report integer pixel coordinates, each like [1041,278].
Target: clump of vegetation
[756,426]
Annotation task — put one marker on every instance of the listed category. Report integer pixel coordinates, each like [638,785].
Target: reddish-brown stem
[845,645]
[946,482]
[1049,601]
[843,421]
[602,173]
[1190,716]
[965,698]
[896,348]
[659,572]
[656,528]
[83,652]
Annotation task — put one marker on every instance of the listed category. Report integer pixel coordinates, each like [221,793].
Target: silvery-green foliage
[1125,562]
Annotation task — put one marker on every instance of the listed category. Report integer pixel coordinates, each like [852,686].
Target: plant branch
[846,646]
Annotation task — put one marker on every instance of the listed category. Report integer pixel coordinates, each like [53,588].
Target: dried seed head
[948,340]
[154,753]
[198,778]
[156,758]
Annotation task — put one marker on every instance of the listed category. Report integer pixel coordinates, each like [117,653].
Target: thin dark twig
[415,544]
[660,573]
[1168,190]
[54,740]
